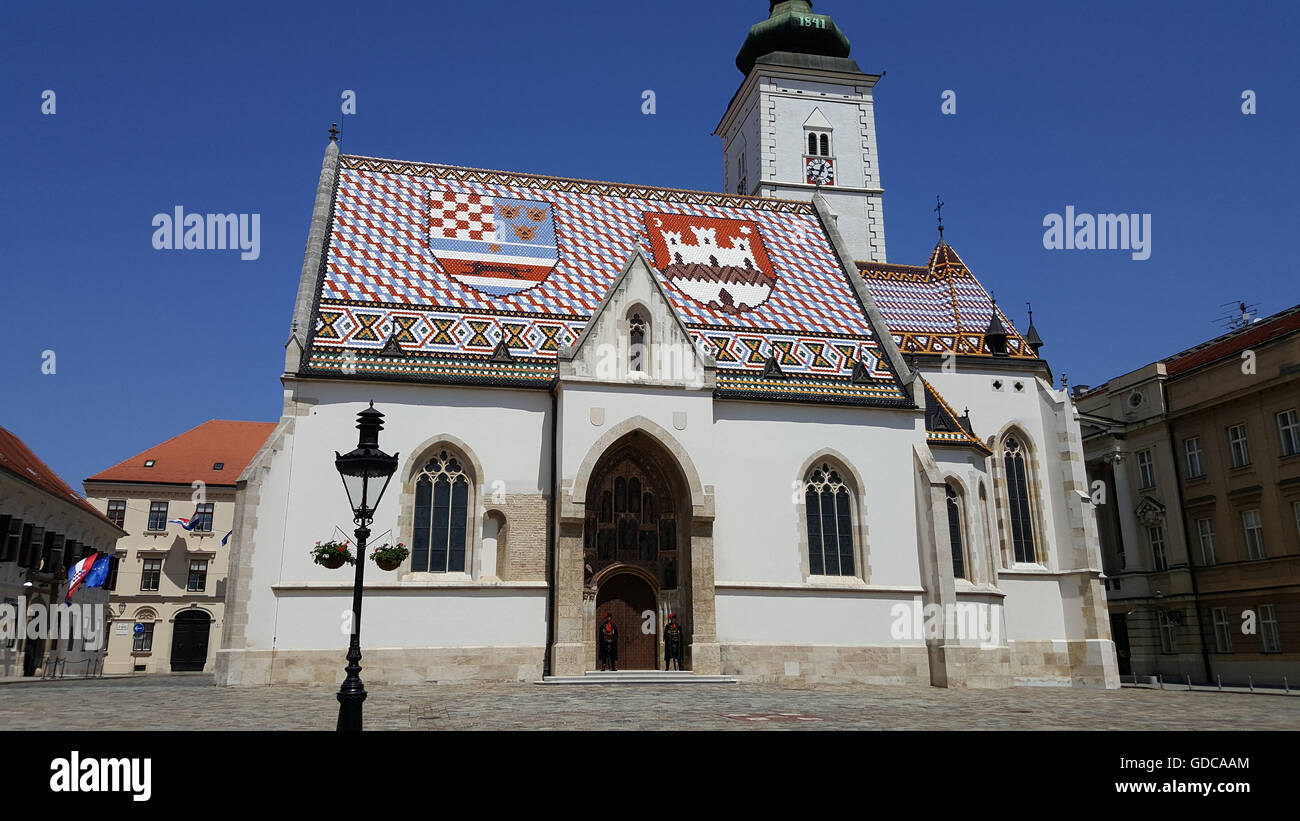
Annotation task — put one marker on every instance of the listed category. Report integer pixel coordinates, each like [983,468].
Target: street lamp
[366,472]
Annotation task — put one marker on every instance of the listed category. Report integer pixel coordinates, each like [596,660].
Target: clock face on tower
[819,171]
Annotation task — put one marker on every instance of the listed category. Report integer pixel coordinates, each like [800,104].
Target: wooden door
[190,641]
[627,597]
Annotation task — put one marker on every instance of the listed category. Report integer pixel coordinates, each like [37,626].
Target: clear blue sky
[1108,106]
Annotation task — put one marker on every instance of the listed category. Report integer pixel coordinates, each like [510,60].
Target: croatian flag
[91,571]
[495,245]
[188,524]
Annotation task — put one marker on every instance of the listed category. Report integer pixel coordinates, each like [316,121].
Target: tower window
[812,143]
[825,140]
[636,348]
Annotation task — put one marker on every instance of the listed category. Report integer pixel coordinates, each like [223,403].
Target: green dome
[792,26]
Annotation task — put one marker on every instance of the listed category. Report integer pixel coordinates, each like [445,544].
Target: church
[636,402]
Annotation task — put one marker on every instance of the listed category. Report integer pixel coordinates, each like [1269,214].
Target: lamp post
[366,472]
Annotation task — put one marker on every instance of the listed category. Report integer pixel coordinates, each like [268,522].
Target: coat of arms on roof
[719,263]
[496,245]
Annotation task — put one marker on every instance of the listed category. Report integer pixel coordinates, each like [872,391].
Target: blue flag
[99,572]
[226,537]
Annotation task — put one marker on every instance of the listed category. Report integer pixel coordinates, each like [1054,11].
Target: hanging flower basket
[332,554]
[390,556]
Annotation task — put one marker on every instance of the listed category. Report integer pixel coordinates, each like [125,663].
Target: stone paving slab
[194,703]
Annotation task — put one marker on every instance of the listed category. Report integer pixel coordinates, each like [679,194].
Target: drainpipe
[1187,534]
[551,546]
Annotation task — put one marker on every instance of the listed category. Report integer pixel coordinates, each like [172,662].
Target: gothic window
[631,519]
[829,509]
[636,348]
[825,141]
[742,184]
[955,533]
[812,143]
[1020,509]
[441,516]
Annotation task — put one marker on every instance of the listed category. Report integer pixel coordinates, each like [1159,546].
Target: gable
[603,351]
[452,262]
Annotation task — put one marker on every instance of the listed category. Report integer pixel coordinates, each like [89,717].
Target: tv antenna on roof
[1238,314]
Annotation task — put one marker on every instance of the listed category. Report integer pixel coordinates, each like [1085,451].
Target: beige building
[46,527]
[176,504]
[1196,459]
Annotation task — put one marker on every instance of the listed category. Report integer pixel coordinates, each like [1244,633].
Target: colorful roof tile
[938,308]
[195,456]
[449,262]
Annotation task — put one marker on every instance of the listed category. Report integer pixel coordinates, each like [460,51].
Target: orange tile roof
[184,459]
[18,459]
[1261,332]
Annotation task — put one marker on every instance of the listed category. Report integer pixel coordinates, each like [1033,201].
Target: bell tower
[803,121]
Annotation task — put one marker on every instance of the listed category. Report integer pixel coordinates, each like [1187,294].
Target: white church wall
[506,433]
[1034,608]
[787,617]
[758,487]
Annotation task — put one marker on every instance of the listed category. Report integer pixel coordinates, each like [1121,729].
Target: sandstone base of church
[418,665]
[1088,663]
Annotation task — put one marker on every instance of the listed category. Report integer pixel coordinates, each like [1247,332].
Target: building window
[441,516]
[1222,630]
[1022,530]
[1146,470]
[203,517]
[148,463]
[144,640]
[636,349]
[117,511]
[218,465]
[1195,458]
[1254,534]
[1288,430]
[1205,530]
[1268,631]
[825,142]
[1237,444]
[149,574]
[198,575]
[110,581]
[1295,506]
[742,186]
[157,516]
[829,508]
[812,143]
[1168,632]
[1156,536]
[954,533]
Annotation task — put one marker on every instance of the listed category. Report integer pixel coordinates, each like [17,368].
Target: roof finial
[1031,337]
[938,209]
[334,132]
[1030,306]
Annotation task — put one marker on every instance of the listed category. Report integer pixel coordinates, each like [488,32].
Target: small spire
[996,334]
[1065,383]
[938,209]
[1032,339]
[334,132]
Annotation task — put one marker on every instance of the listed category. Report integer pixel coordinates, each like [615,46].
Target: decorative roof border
[572,185]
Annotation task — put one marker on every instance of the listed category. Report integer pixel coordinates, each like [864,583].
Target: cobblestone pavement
[193,702]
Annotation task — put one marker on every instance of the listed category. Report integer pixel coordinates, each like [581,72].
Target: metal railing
[57,667]
[1159,682]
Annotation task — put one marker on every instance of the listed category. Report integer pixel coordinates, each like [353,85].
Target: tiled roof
[193,455]
[18,459]
[938,308]
[1264,331]
[942,427]
[452,261]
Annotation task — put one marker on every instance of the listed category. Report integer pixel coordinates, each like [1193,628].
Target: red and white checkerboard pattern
[459,215]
